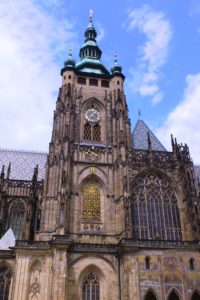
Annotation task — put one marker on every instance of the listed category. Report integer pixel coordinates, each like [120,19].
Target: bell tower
[87,171]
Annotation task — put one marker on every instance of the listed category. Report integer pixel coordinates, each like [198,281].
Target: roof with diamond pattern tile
[23,163]
[140,138]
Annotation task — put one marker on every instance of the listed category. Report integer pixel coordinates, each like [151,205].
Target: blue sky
[158,45]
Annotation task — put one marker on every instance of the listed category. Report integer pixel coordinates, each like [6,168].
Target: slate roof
[23,163]
[139,138]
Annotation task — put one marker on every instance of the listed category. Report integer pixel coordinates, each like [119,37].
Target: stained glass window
[16,217]
[91,287]
[5,278]
[91,202]
[155,213]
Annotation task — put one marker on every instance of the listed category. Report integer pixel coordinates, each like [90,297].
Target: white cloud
[153,53]
[100,32]
[32,42]
[184,121]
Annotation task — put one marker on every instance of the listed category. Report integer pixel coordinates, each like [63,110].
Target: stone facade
[109,221]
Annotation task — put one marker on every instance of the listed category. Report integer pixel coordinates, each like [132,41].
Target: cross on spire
[90,15]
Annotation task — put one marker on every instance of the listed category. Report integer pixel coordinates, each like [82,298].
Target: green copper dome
[116,68]
[70,62]
[90,53]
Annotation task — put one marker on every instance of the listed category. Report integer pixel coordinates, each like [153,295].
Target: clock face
[92,115]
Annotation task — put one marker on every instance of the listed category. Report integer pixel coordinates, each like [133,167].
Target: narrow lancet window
[147,262]
[87,132]
[91,287]
[191,264]
[5,279]
[16,218]
[97,133]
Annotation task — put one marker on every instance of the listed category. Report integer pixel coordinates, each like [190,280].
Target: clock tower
[86,173]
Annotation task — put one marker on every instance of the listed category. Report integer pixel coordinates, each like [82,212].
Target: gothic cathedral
[106,214]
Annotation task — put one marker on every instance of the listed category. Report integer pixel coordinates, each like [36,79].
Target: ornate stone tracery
[155,213]
[5,279]
[91,287]
[35,285]
[16,217]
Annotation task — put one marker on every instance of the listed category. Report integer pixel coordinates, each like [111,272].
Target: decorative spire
[139,114]
[70,62]
[172,143]
[90,49]
[3,172]
[8,170]
[90,53]
[149,142]
[116,68]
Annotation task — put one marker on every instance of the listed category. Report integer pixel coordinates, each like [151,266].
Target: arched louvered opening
[16,217]
[5,279]
[91,287]
[150,296]
[91,202]
[147,262]
[173,296]
[155,213]
[195,296]
[87,132]
[191,262]
[97,133]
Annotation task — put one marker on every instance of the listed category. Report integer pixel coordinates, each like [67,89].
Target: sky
[158,46]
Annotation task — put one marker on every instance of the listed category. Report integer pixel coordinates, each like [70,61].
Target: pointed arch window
[155,213]
[87,132]
[5,279]
[97,133]
[92,132]
[91,287]
[195,296]
[17,213]
[150,296]
[173,296]
[191,262]
[147,262]
[91,202]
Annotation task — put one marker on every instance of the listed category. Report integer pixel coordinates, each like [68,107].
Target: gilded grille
[91,202]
